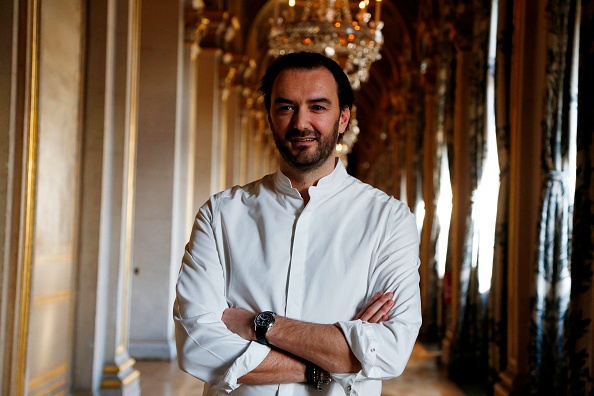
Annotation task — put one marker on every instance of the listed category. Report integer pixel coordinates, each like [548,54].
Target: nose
[301,120]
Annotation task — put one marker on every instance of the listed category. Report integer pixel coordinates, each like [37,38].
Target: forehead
[304,83]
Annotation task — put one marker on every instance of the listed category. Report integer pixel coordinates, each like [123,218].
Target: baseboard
[152,349]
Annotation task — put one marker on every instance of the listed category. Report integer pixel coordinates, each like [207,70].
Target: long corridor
[422,377]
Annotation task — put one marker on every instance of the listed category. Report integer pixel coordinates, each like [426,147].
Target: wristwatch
[262,322]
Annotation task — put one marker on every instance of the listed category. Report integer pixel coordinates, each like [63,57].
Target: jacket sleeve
[384,348]
[206,348]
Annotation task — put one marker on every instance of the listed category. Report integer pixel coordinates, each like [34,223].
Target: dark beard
[307,162]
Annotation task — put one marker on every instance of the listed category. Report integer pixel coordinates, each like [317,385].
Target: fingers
[373,299]
[377,308]
[378,312]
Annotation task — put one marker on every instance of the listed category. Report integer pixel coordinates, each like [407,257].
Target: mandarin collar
[325,184]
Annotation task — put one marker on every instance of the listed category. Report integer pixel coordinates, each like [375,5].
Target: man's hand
[376,310]
[241,322]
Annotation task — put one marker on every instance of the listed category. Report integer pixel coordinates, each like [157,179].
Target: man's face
[305,117]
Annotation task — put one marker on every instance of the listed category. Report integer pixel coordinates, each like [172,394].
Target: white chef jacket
[257,247]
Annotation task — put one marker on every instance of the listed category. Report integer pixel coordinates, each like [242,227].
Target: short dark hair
[307,61]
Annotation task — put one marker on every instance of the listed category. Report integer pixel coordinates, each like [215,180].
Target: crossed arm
[295,342]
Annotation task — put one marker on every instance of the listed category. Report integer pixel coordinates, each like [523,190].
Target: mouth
[303,142]
[303,139]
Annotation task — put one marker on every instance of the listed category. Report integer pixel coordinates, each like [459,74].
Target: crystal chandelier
[327,27]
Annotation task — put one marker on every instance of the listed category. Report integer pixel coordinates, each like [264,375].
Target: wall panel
[53,271]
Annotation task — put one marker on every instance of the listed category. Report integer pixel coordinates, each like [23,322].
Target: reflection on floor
[422,377]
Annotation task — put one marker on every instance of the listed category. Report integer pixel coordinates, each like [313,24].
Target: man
[307,279]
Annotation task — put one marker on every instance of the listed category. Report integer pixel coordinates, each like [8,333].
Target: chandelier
[327,27]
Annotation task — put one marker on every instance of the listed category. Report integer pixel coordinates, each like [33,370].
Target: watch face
[264,319]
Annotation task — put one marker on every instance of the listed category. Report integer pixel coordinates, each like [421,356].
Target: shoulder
[374,195]
[242,193]
[396,212]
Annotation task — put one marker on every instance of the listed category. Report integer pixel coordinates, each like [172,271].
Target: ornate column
[159,181]
[119,375]
[101,360]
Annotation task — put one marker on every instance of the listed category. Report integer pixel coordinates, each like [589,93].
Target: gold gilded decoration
[29,206]
[45,378]
[112,369]
[120,383]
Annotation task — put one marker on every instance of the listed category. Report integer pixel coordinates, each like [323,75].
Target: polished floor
[422,377]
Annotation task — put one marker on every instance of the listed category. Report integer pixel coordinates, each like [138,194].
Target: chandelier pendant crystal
[327,27]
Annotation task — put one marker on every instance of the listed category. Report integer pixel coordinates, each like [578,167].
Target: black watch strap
[261,335]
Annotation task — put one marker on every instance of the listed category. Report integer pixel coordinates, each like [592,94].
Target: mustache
[294,133]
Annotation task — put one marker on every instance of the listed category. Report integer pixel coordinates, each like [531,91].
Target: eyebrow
[310,101]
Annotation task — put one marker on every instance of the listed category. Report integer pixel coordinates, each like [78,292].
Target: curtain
[445,101]
[550,299]
[497,306]
[413,126]
[446,282]
[579,324]
[469,350]
[431,331]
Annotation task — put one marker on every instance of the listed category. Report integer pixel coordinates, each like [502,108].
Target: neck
[303,180]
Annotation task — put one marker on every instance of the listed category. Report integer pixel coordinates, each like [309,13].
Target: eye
[285,108]
[318,108]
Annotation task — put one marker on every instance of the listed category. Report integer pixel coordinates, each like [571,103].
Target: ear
[345,116]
